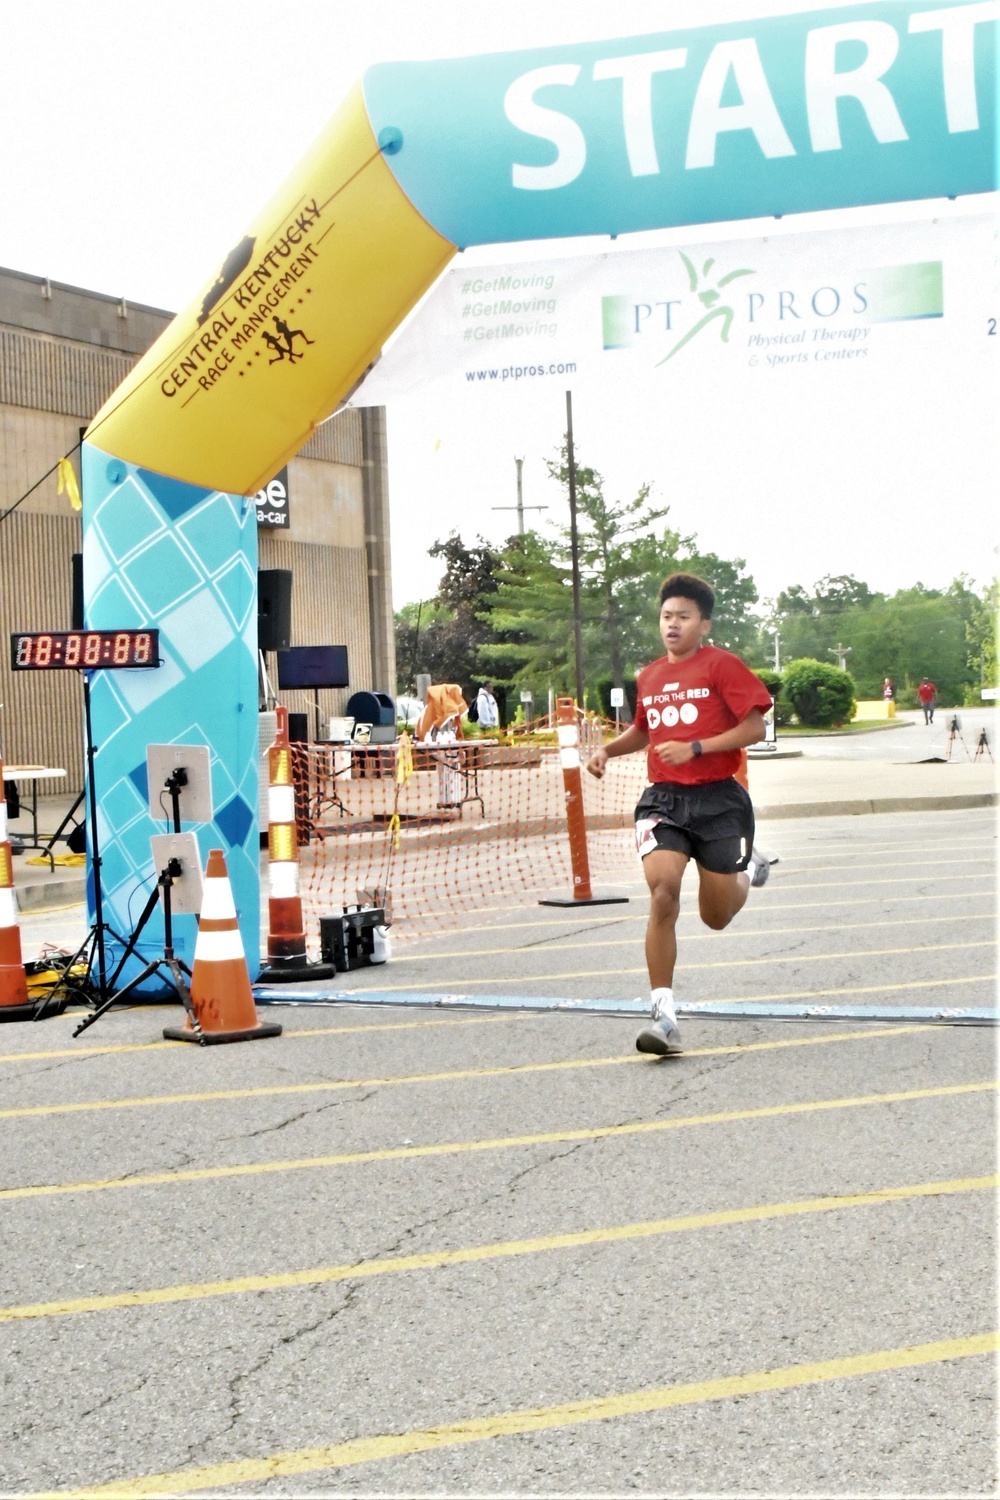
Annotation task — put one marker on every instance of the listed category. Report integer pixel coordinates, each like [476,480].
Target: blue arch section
[755,95]
[161,553]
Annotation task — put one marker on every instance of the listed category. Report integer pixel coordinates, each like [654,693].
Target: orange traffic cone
[220,981]
[287,960]
[14,1005]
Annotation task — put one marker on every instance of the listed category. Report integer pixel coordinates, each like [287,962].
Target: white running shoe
[661,1036]
[759,868]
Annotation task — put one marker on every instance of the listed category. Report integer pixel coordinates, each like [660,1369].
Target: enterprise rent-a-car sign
[272,502]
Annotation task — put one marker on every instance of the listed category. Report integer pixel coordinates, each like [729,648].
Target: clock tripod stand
[87,651]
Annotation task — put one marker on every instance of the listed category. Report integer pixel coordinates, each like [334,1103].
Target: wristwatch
[696,747]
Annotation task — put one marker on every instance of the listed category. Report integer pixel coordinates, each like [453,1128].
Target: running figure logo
[285,350]
[709,295]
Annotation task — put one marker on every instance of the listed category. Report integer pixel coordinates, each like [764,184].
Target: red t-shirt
[710,692]
[927,692]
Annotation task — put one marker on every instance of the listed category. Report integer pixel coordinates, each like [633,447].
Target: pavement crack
[547,1161]
[560,937]
[304,1114]
[236,1383]
[114,1397]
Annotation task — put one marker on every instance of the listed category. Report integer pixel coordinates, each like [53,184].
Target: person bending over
[696,709]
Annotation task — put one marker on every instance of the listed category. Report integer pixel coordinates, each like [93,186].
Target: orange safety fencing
[476,825]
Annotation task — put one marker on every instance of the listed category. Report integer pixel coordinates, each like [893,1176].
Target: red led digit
[43,651]
[92,651]
[121,653]
[72,656]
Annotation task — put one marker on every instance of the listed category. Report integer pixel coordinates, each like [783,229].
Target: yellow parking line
[691,911]
[862,850]
[806,885]
[533,1419]
[455,1075]
[928,878]
[503,1143]
[708,937]
[895,864]
[619,970]
[289,1036]
[543,1244]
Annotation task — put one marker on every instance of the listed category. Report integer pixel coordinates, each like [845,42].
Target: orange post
[568,732]
[220,980]
[287,960]
[14,1004]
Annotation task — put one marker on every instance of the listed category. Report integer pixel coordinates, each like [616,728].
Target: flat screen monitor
[313,667]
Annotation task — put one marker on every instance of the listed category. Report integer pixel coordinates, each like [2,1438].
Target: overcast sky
[140,139]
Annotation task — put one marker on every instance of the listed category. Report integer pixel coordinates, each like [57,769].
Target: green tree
[529,619]
[981,637]
[794,601]
[443,636]
[626,550]
[610,534]
[833,594]
[915,632]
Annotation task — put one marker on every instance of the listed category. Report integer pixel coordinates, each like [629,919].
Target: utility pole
[520,507]
[574,549]
[841,653]
[777,647]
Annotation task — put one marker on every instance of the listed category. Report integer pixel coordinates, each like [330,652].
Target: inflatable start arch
[883,102]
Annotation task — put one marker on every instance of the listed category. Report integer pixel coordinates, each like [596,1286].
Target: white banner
[829,308]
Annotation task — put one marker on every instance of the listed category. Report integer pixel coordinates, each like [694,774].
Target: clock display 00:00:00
[73,649]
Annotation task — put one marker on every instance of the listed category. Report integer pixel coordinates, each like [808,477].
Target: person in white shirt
[486,707]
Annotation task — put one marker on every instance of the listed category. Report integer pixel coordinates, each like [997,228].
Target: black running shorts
[711,823]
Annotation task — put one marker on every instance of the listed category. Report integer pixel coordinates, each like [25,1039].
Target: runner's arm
[627,743]
[749,732]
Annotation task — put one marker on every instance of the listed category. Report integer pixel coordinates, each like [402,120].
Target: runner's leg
[664,871]
[720,897]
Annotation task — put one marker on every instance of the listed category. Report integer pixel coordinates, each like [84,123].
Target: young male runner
[696,708]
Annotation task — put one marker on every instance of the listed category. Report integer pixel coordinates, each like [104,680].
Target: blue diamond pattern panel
[161,549]
[127,520]
[235,820]
[173,496]
[205,530]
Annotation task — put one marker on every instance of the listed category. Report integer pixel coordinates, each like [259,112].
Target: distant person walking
[888,691]
[487,712]
[927,693]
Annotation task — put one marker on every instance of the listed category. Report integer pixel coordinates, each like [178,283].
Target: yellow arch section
[338,256]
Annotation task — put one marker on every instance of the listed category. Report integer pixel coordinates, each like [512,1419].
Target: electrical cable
[10,511]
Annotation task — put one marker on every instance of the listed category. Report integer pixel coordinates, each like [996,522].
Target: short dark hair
[689,586]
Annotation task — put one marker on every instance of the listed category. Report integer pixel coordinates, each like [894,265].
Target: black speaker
[298,728]
[76,607]
[274,609]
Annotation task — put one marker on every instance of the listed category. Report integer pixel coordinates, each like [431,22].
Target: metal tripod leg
[69,818]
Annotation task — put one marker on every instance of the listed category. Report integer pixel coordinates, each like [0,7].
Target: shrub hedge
[820,694]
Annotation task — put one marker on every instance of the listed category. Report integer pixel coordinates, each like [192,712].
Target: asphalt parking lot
[403,1251]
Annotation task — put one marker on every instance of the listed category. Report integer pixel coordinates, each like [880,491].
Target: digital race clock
[57,650]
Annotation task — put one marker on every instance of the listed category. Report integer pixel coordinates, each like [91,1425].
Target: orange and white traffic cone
[220,980]
[14,1004]
[287,960]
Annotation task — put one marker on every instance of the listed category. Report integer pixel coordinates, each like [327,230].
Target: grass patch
[859,726]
